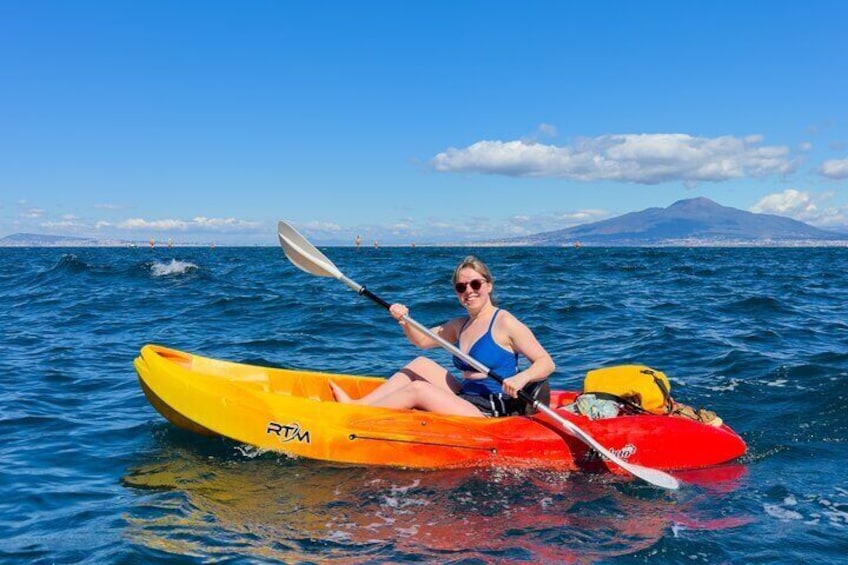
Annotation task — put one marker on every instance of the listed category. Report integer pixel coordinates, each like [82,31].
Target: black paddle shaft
[365,292]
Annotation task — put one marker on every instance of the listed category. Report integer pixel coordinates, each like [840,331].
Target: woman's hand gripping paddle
[307,258]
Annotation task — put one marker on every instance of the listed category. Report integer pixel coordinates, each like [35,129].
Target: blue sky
[413,121]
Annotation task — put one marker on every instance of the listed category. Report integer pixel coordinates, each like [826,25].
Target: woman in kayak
[492,336]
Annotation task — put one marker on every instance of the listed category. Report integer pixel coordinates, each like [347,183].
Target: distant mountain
[696,221]
[42,240]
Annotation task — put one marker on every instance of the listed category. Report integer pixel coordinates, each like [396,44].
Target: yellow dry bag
[636,384]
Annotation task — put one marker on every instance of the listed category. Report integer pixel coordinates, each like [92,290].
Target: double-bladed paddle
[307,258]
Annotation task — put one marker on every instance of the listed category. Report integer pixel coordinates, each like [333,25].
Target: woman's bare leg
[419,369]
[427,396]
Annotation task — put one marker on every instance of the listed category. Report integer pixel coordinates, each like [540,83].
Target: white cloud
[68,223]
[584,216]
[32,213]
[803,206]
[638,158]
[155,225]
[221,223]
[544,131]
[517,225]
[557,220]
[197,223]
[321,226]
[548,130]
[790,201]
[834,168]
[440,230]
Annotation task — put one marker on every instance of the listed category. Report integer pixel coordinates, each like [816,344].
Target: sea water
[90,473]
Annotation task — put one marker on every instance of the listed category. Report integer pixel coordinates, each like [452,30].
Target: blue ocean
[91,473]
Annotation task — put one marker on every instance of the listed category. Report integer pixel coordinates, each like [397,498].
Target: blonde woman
[489,334]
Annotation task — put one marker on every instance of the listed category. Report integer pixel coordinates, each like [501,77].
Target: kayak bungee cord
[307,258]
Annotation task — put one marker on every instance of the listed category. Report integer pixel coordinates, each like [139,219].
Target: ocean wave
[758,306]
[70,263]
[174,268]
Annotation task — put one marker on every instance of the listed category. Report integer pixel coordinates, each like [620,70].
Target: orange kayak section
[293,412]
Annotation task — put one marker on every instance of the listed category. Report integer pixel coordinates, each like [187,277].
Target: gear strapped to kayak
[634,389]
[637,386]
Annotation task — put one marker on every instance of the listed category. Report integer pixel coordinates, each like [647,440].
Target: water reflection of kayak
[218,505]
[292,411]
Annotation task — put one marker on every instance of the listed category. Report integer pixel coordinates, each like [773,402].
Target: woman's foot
[339,394]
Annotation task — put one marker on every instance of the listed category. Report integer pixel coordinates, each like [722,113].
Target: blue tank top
[488,352]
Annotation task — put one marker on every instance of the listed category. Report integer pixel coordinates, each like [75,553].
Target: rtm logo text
[288,432]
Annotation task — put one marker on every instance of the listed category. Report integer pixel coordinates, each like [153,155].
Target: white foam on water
[338,536]
[175,267]
[398,490]
[835,513]
[401,502]
[410,531]
[836,517]
[730,387]
[781,513]
[250,451]
[812,509]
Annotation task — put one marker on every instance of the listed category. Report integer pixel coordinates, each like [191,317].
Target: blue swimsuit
[488,352]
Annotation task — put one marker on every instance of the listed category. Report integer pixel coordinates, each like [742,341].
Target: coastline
[683,243]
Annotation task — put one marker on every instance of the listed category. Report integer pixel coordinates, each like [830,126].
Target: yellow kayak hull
[293,412]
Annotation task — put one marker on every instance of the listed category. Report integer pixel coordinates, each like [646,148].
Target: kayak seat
[539,390]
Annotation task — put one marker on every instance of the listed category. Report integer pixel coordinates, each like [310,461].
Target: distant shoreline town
[38,240]
[695,222]
[75,243]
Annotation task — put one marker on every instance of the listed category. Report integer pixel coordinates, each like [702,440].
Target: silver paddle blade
[652,476]
[303,254]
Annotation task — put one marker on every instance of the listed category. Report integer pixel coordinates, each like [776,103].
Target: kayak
[293,412]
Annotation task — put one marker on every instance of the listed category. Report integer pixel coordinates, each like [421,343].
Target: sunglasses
[475,285]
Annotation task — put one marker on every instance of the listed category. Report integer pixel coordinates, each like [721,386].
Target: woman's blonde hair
[472,262]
